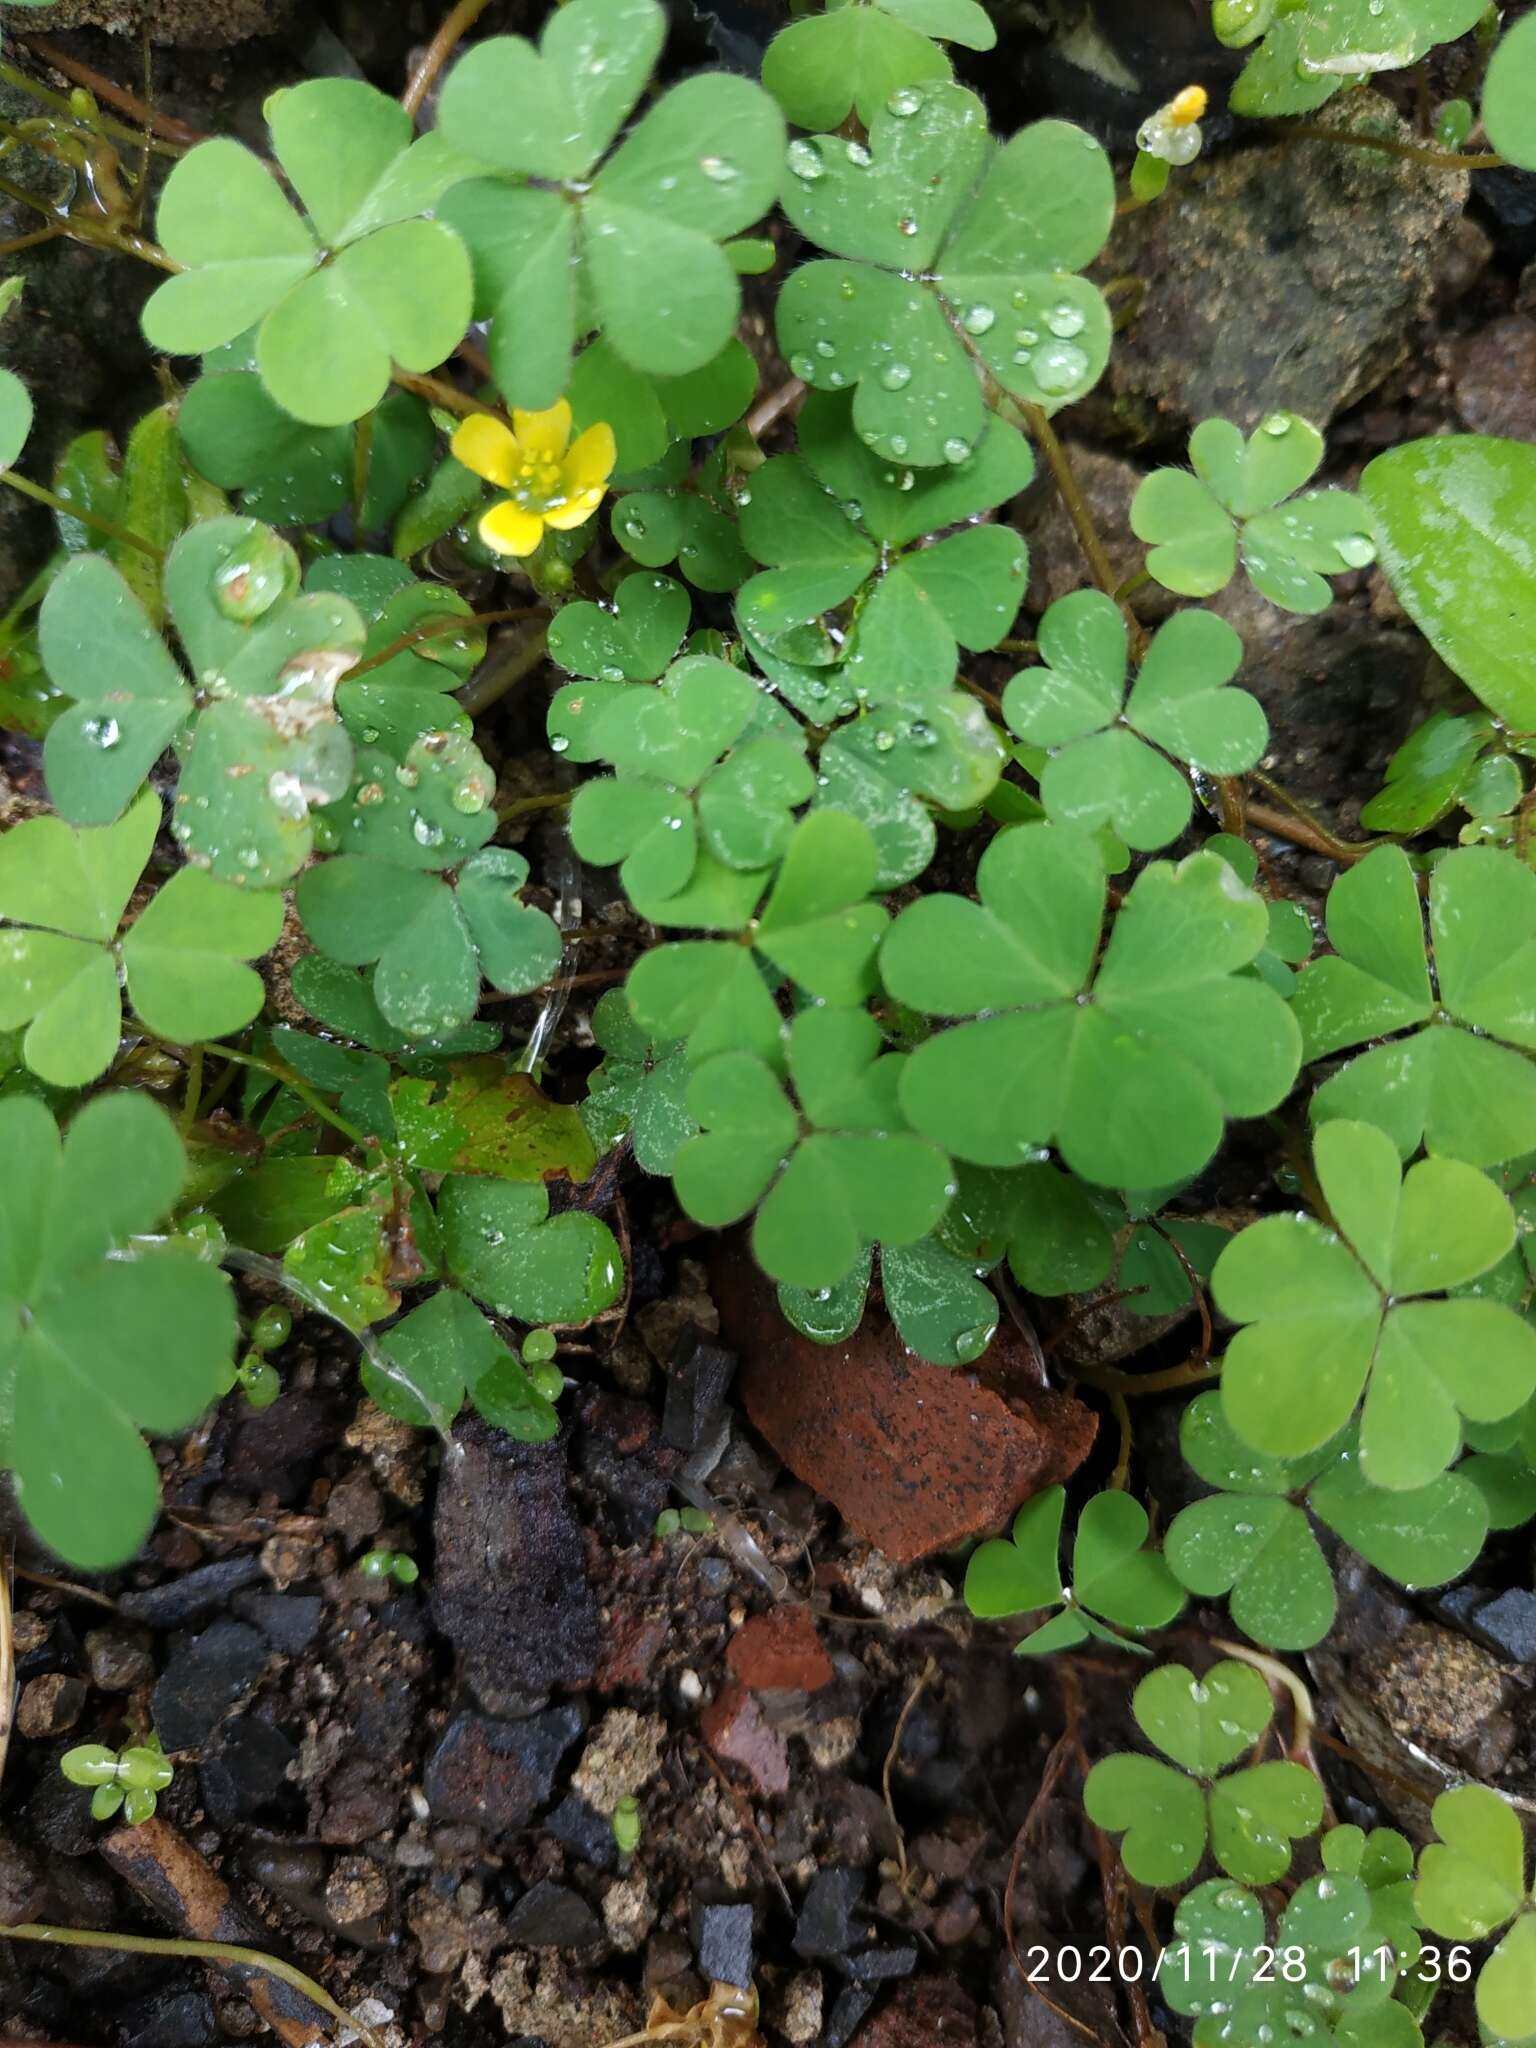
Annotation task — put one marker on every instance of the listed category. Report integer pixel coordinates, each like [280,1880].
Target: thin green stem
[203,1951]
[280,1071]
[495,679]
[86,517]
[1415,152]
[193,1090]
[1317,833]
[526,806]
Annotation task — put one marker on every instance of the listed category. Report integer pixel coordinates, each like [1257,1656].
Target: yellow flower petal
[576,509]
[544,434]
[485,444]
[510,530]
[589,464]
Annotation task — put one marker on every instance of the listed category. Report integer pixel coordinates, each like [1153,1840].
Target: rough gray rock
[1286,277]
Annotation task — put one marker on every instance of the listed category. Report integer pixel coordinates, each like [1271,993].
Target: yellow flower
[551,479]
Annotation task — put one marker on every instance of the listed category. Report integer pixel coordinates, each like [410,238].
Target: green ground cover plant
[949,960]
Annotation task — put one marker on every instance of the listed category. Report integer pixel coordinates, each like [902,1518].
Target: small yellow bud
[1186,107]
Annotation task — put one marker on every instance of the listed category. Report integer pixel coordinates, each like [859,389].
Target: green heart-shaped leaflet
[1472,1883]
[503,1247]
[83,1333]
[444,1348]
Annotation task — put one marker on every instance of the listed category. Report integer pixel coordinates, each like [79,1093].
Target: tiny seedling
[127,1780]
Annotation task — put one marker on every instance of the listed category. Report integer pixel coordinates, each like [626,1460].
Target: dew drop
[979,319]
[896,376]
[858,155]
[1358,549]
[957,450]
[1065,320]
[904,102]
[1277,426]
[804,161]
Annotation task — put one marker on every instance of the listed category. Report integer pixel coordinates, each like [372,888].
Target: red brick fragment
[735,1729]
[916,1458]
[780,1651]
[930,2012]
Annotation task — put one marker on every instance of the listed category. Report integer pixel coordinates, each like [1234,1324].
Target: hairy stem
[454,27]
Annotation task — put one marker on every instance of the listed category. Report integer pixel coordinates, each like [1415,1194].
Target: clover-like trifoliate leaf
[1464,1083]
[83,1332]
[1130,1069]
[641,1088]
[632,639]
[957,260]
[1472,1883]
[63,892]
[1329,1317]
[1253,1541]
[1446,513]
[444,1349]
[839,516]
[1204,1724]
[1327,1970]
[1101,767]
[1242,497]
[817,927]
[502,1246]
[265,745]
[1116,1580]
[433,943]
[421,644]
[674,795]
[630,245]
[366,280]
[840,1175]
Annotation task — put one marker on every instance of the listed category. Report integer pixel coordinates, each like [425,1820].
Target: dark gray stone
[204,1679]
[697,1391]
[722,1940]
[848,2010]
[584,1831]
[289,1621]
[551,1915]
[882,1963]
[510,1589]
[193,1594]
[1508,1625]
[169,2019]
[825,1927]
[246,1772]
[497,1774]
